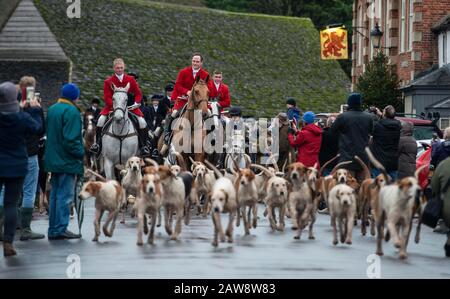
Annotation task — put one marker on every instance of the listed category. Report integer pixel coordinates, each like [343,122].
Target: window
[411,24]
[385,27]
[444,48]
[445,123]
[443,43]
[403,26]
[360,40]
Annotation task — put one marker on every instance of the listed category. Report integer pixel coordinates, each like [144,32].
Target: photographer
[385,141]
[15,127]
[307,141]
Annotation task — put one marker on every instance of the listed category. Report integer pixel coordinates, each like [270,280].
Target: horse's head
[200,96]
[90,121]
[120,99]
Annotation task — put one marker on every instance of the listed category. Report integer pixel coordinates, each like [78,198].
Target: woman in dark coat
[15,125]
[407,151]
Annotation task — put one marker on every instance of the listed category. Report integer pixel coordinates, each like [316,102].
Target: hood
[316,130]
[390,124]
[446,145]
[9,119]
[407,129]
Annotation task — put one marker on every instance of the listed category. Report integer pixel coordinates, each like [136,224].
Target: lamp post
[375,36]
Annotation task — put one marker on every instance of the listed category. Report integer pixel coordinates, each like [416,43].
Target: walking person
[407,151]
[14,127]
[64,155]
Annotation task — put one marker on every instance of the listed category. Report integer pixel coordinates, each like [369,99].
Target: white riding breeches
[102,119]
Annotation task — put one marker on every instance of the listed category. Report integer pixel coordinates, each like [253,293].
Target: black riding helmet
[235,111]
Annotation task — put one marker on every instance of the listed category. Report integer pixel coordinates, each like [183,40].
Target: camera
[373,109]
[30,93]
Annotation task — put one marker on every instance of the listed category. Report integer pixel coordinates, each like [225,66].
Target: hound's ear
[207,79]
[197,79]
[142,163]
[123,172]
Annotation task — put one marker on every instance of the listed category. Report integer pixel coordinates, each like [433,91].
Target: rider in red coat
[219,91]
[121,80]
[183,86]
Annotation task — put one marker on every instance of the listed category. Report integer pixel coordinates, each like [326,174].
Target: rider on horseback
[183,86]
[120,79]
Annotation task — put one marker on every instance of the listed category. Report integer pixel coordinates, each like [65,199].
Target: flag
[333,44]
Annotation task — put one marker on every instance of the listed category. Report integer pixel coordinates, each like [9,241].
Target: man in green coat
[441,188]
[64,159]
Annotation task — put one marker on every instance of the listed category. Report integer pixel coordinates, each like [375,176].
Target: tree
[379,84]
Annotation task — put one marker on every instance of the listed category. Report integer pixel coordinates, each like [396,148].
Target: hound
[108,197]
[148,202]
[342,205]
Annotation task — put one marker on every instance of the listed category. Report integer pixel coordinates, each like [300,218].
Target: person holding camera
[385,142]
[15,127]
[28,84]
[353,129]
[307,141]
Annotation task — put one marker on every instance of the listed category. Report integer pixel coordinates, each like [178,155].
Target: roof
[439,78]
[26,37]
[442,104]
[442,25]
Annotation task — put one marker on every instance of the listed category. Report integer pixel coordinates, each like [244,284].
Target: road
[263,254]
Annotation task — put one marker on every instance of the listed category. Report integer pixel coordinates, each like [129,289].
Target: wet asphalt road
[263,254]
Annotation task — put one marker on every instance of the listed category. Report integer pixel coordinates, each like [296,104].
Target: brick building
[416,39]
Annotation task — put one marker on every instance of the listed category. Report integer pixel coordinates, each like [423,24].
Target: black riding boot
[96,148]
[144,142]
[166,133]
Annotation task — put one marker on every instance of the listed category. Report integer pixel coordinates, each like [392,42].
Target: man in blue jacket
[64,159]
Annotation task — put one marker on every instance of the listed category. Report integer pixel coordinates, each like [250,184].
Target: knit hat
[309,117]
[8,98]
[291,101]
[70,91]
[354,100]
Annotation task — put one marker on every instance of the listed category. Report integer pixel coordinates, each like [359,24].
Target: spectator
[283,142]
[329,147]
[442,150]
[64,159]
[94,109]
[307,141]
[293,112]
[157,112]
[166,102]
[31,178]
[353,128]
[440,186]
[14,127]
[407,149]
[385,142]
[435,142]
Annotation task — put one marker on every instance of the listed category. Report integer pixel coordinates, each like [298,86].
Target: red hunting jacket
[185,81]
[308,142]
[222,94]
[108,93]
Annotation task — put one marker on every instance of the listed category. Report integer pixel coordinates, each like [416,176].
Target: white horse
[120,142]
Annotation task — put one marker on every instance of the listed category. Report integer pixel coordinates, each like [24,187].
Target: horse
[120,141]
[89,139]
[197,101]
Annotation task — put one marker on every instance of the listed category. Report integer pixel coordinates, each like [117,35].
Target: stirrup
[145,151]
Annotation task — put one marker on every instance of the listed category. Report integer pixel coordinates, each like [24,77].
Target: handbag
[433,210]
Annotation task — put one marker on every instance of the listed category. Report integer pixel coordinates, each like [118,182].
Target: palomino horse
[120,142]
[197,105]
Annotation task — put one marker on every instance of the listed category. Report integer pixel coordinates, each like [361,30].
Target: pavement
[262,255]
